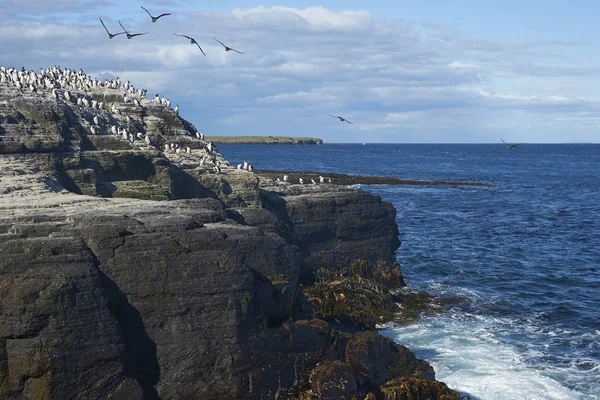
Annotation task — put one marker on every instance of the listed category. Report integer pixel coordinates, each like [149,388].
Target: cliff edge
[136,263]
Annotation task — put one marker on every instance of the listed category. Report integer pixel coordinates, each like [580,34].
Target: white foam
[469,358]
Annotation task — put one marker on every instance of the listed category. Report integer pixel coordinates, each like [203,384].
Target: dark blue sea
[524,251]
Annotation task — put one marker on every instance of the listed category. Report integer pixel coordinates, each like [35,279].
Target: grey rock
[129,271]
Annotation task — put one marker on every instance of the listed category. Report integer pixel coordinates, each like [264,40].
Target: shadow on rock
[140,361]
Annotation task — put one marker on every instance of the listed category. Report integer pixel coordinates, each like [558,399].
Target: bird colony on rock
[76,89]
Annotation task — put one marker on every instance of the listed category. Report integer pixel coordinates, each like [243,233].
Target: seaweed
[415,388]
[364,295]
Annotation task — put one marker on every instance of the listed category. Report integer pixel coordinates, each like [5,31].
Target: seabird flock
[191,40]
[154,19]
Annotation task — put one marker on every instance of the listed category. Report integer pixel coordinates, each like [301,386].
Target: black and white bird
[192,41]
[154,19]
[342,119]
[509,146]
[131,35]
[110,35]
[227,48]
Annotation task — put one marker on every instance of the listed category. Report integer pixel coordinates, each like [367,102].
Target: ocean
[525,252]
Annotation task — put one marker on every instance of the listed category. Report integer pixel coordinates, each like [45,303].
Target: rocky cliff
[136,263]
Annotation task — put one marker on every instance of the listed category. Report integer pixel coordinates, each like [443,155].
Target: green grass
[263,140]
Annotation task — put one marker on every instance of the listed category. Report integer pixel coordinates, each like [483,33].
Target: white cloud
[310,18]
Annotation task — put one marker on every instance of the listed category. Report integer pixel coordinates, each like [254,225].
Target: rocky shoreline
[350,180]
[141,265]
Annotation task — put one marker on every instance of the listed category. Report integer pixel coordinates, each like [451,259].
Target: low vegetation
[263,140]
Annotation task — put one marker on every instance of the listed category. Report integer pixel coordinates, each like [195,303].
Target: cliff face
[131,270]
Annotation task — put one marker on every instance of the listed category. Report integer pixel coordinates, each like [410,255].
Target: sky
[404,71]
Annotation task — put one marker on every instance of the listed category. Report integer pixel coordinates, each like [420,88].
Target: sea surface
[525,252]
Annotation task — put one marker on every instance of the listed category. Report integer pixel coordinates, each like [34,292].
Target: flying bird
[192,41]
[154,19]
[509,146]
[227,48]
[110,35]
[342,119]
[130,35]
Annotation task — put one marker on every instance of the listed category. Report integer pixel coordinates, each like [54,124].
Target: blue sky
[421,71]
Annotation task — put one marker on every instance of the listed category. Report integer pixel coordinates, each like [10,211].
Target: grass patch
[262,140]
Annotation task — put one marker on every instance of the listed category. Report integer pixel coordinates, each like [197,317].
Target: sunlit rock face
[136,263]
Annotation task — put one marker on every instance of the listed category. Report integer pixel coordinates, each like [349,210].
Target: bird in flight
[154,19]
[342,119]
[227,48]
[510,146]
[192,41]
[110,35]
[130,35]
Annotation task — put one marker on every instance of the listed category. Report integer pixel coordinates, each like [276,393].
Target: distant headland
[263,140]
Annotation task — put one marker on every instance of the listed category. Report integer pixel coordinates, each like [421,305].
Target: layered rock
[131,270]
